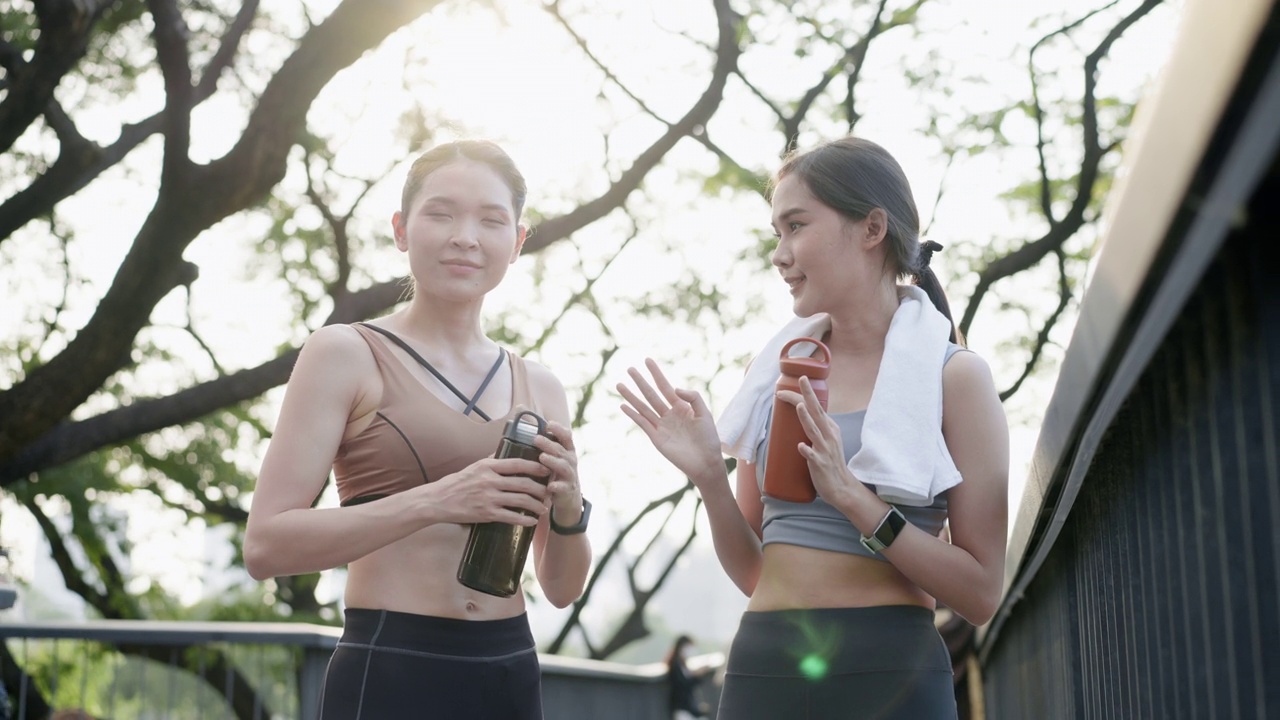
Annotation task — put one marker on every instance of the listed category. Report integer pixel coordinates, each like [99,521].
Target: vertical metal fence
[1161,596]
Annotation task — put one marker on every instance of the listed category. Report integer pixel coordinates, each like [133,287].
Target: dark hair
[673,655]
[854,176]
[481,151]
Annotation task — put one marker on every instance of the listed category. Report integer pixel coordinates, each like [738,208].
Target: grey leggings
[885,662]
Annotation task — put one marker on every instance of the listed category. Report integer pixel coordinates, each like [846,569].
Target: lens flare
[813,667]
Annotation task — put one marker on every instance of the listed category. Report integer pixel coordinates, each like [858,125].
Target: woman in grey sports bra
[840,621]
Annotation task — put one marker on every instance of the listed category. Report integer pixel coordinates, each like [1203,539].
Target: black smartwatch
[576,528]
[887,532]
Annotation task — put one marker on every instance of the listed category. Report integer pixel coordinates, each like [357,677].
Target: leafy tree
[113,394]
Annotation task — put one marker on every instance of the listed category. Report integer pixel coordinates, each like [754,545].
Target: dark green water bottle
[494,558]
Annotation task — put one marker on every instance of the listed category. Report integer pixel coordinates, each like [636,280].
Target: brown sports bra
[415,437]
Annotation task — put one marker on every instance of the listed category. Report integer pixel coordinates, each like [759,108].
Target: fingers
[638,410]
[695,401]
[523,501]
[515,467]
[512,516]
[560,466]
[561,434]
[664,386]
[824,439]
[811,429]
[645,423]
[522,485]
[655,400]
[810,397]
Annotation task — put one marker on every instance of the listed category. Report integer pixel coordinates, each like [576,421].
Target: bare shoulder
[542,379]
[967,374]
[967,368]
[547,390]
[973,418]
[338,356]
[971,404]
[337,342]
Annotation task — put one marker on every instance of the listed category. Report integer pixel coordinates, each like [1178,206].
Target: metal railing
[173,670]
[143,670]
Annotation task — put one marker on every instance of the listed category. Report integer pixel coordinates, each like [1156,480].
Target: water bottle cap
[814,367]
[806,366]
[523,430]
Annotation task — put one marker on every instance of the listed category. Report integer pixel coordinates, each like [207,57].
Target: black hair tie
[927,249]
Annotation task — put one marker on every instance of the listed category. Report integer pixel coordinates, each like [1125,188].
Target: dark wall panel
[1160,598]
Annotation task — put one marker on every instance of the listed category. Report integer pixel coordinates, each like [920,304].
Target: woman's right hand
[678,423]
[493,490]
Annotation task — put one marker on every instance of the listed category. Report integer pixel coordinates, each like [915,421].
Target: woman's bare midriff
[794,577]
[419,575]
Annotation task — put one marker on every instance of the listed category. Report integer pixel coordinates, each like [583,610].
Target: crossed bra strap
[470,401]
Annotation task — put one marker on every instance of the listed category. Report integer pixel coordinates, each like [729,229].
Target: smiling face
[461,231]
[822,254]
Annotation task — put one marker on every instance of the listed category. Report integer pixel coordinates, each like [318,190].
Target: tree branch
[1042,339]
[227,48]
[80,160]
[1031,253]
[703,137]
[855,53]
[61,555]
[65,26]
[170,33]
[154,264]
[574,619]
[693,123]
[633,627]
[257,161]
[1046,198]
[71,440]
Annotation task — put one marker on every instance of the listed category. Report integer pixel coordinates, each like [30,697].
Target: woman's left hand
[825,451]
[561,458]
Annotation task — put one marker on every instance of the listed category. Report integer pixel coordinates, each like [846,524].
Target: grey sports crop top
[818,524]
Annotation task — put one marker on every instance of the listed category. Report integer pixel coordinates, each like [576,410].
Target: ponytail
[926,280]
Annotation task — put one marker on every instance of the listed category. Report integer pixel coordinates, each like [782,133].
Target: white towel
[903,453]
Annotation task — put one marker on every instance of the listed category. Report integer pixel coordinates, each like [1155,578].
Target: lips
[793,282]
[461,264]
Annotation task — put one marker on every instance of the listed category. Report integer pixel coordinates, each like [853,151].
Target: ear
[397,229]
[521,233]
[876,224]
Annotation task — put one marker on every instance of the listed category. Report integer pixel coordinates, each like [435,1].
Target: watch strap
[575,529]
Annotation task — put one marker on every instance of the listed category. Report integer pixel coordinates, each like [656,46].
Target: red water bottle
[786,472]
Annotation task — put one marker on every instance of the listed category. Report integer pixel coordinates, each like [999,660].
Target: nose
[781,257]
[467,235]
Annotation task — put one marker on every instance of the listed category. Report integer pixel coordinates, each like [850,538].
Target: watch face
[896,521]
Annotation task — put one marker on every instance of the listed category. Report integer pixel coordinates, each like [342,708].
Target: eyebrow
[450,202]
[787,214]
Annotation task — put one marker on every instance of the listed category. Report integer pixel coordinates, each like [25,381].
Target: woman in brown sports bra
[407,412]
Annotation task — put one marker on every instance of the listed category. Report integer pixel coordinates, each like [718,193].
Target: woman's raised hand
[677,421]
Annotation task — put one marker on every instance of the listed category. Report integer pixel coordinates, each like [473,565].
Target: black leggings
[885,662]
[392,665]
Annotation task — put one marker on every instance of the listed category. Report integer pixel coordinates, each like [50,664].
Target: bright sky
[516,77]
